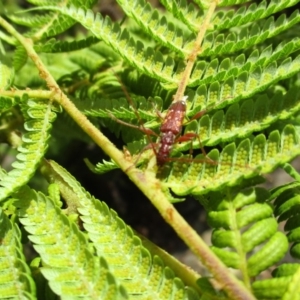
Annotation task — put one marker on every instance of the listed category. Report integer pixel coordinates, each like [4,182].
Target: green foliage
[249,216]
[242,87]
[38,116]
[128,260]
[16,280]
[234,163]
[68,263]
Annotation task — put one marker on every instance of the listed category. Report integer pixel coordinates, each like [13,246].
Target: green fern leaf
[164,32]
[155,65]
[121,109]
[189,14]
[286,269]
[205,73]
[150,62]
[39,116]
[44,26]
[112,238]
[50,24]
[90,63]
[238,122]
[248,36]
[229,2]
[31,20]
[249,217]
[193,17]
[227,19]
[53,46]
[203,174]
[20,58]
[285,283]
[112,110]
[286,204]
[240,119]
[59,25]
[16,281]
[271,253]
[42,2]
[103,167]
[273,288]
[293,289]
[235,84]
[71,268]
[246,83]
[291,171]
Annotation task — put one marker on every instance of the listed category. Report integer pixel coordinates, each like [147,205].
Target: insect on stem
[170,130]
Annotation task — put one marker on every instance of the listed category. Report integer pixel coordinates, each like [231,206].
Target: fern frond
[273,288]
[193,17]
[249,36]
[110,111]
[38,116]
[16,281]
[285,269]
[155,65]
[293,289]
[232,217]
[227,19]
[44,26]
[56,24]
[286,209]
[242,75]
[89,62]
[20,58]
[50,24]
[71,268]
[244,86]
[31,20]
[103,167]
[147,61]
[240,120]
[205,72]
[165,32]
[121,109]
[289,169]
[53,46]
[189,14]
[284,285]
[139,272]
[203,174]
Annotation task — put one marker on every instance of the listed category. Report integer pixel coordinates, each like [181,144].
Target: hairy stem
[191,59]
[146,181]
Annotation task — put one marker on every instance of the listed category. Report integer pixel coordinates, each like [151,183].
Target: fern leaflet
[112,238]
[39,116]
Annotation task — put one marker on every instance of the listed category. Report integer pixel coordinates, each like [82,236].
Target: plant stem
[191,59]
[146,181]
[41,94]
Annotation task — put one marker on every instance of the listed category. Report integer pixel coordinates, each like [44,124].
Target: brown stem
[191,59]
